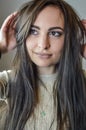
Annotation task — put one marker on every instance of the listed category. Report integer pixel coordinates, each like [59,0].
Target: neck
[46,70]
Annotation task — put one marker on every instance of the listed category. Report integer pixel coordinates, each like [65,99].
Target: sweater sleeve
[4,78]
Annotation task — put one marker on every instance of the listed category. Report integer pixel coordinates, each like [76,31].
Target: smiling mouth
[43,55]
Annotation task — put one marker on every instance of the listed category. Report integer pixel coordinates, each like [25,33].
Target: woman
[46,88]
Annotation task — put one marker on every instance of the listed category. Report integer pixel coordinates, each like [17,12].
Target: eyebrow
[50,29]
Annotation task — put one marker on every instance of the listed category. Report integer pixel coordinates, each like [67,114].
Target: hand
[7,34]
[83,47]
[84,23]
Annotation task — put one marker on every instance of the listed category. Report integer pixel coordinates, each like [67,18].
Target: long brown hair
[71,88]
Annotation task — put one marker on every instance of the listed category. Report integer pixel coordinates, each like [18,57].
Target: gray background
[9,6]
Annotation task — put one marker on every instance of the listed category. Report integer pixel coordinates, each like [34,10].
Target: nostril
[44,46]
[43,41]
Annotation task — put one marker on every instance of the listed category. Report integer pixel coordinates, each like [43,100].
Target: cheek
[57,50]
[58,47]
[30,45]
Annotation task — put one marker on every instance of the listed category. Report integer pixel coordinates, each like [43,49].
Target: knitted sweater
[45,114]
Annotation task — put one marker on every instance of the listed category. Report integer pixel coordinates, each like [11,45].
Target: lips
[43,55]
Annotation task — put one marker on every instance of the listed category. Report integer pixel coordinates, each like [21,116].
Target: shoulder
[4,78]
[3,113]
[84,71]
[5,74]
[4,83]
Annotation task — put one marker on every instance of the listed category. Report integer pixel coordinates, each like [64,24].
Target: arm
[83,47]
[83,50]
[3,100]
[7,43]
[4,79]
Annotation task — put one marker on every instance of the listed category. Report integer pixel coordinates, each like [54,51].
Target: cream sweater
[45,114]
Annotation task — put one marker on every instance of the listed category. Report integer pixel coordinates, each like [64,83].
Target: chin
[42,64]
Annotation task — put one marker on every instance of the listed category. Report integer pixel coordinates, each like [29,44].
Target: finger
[84,22]
[13,22]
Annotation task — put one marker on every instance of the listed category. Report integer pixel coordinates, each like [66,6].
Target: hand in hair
[7,34]
[84,22]
[83,47]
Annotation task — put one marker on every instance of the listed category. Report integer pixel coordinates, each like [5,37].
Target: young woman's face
[46,39]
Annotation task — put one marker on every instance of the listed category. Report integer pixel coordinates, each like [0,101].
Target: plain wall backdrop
[9,6]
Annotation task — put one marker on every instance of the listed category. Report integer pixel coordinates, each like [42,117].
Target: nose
[43,42]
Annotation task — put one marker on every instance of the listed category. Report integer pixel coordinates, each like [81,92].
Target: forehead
[50,15]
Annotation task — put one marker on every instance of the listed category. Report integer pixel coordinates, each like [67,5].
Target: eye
[33,31]
[55,33]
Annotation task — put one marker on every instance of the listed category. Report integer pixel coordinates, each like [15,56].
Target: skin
[84,22]
[46,39]
[84,46]
[7,33]
[8,40]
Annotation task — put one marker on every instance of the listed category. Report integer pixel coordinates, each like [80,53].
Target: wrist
[0,54]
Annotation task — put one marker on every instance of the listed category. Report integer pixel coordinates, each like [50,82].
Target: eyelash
[55,33]
[51,33]
[33,31]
